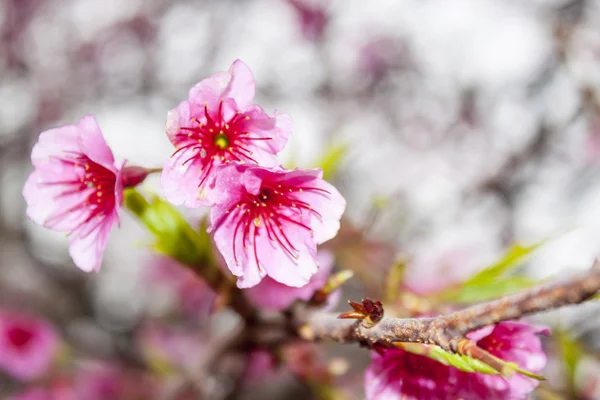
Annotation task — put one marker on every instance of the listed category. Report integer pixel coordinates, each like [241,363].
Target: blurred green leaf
[464,362]
[394,278]
[493,289]
[174,236]
[514,257]
[331,160]
[571,353]
[495,280]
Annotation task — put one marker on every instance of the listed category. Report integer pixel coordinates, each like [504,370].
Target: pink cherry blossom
[269,222]
[27,345]
[397,374]
[272,295]
[77,188]
[217,125]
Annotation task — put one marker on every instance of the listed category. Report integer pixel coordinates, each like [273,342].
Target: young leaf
[394,279]
[174,236]
[514,257]
[495,280]
[331,160]
[464,362]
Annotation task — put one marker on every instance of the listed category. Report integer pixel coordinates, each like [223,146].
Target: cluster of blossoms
[266,220]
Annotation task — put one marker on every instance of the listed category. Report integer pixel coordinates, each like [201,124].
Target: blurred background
[459,127]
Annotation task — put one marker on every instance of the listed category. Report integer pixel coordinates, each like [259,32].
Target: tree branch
[448,331]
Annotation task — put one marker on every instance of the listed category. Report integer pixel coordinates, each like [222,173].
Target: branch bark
[447,331]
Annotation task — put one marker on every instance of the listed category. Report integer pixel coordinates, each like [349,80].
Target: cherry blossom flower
[27,345]
[77,187]
[269,222]
[272,295]
[217,125]
[397,374]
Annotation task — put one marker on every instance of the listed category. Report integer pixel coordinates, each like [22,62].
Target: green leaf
[495,280]
[174,237]
[514,257]
[330,161]
[464,362]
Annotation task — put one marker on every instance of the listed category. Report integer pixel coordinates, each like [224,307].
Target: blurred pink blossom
[397,374]
[28,345]
[269,222]
[57,389]
[194,296]
[76,187]
[592,143]
[381,54]
[437,270]
[272,295]
[259,365]
[216,125]
[313,17]
[174,345]
[104,381]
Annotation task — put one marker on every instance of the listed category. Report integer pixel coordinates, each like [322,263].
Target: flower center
[19,337]
[100,180]
[221,141]
[217,139]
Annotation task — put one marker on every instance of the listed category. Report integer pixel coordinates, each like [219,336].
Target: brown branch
[447,331]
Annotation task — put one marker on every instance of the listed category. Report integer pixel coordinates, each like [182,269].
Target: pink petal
[272,295]
[329,204]
[242,86]
[54,142]
[180,182]
[46,201]
[228,190]
[252,181]
[176,118]
[237,84]
[119,192]
[209,90]
[87,249]
[283,268]
[92,143]
[260,125]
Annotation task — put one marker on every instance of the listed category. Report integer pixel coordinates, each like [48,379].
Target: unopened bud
[133,176]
